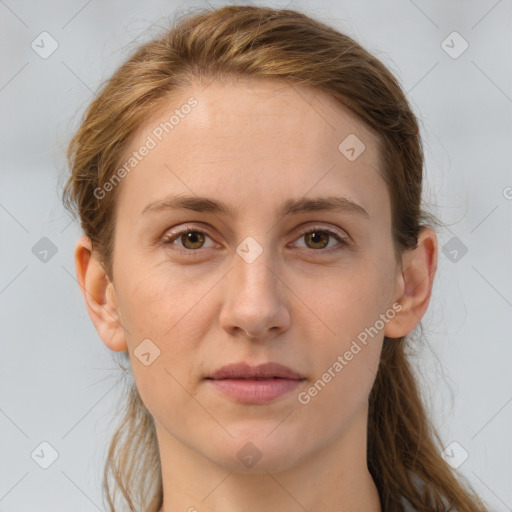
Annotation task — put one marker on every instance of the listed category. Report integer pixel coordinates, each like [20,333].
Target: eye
[189,237]
[317,237]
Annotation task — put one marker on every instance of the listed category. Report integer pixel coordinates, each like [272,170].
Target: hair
[286,45]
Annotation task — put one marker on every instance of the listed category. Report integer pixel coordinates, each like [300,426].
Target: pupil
[315,240]
[193,237]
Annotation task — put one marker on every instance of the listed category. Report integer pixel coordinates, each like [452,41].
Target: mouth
[248,378]
[255,385]
[263,371]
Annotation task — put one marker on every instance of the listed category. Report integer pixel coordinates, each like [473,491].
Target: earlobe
[414,285]
[99,296]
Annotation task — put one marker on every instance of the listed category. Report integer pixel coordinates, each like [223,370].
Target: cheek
[156,300]
[350,300]
[351,306]
[163,308]
[172,309]
[345,360]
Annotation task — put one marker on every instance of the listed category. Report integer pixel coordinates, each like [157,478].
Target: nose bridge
[255,267]
[254,301]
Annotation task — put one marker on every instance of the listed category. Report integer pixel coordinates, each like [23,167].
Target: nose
[256,300]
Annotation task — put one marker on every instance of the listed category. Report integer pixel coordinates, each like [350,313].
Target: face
[266,279]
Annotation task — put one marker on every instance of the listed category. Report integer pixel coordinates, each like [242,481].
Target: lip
[255,384]
[262,371]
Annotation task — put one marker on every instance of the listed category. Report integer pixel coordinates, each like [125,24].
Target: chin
[258,452]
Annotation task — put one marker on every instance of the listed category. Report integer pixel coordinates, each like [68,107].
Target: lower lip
[255,391]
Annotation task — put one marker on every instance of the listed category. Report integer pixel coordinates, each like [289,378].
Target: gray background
[58,380]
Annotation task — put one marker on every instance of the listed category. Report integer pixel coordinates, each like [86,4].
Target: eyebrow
[288,207]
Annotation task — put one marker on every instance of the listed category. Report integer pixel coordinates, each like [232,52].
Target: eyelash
[342,240]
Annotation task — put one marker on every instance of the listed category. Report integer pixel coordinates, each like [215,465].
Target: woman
[249,187]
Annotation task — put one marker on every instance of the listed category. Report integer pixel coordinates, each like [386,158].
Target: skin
[252,145]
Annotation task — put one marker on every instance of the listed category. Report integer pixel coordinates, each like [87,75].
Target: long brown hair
[286,45]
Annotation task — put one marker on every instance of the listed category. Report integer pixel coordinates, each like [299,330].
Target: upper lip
[262,371]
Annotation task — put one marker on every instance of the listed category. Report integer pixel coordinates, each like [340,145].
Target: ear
[99,295]
[414,285]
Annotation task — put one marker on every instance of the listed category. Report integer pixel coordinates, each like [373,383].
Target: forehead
[253,140]
[308,117]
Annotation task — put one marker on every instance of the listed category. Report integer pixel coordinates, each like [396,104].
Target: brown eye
[322,240]
[318,239]
[188,239]
[192,239]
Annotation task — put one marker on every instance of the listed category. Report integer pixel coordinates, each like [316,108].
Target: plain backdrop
[58,380]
